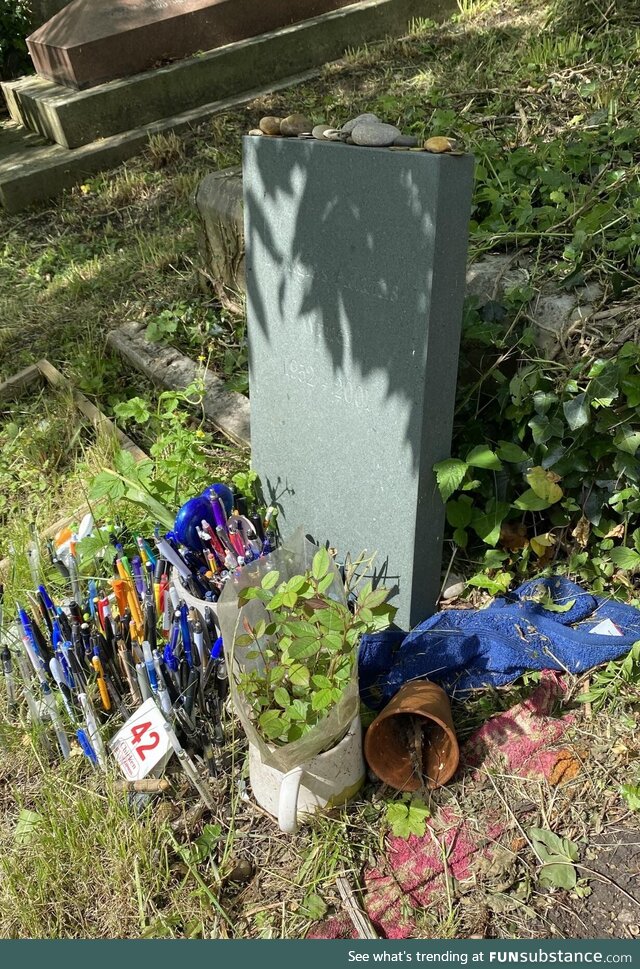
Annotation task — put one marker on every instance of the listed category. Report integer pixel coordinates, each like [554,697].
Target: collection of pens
[133,637]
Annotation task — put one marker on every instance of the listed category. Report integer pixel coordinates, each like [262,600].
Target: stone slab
[355,266]
[93,41]
[32,169]
[74,118]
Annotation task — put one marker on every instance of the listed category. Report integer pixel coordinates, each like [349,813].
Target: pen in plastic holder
[94,732]
[189,767]
[54,716]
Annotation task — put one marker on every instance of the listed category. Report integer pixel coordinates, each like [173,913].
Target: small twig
[609,881]
[361,921]
[588,712]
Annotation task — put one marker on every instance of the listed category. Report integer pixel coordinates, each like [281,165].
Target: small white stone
[455,586]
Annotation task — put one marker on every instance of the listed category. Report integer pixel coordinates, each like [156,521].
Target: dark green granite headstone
[355,279]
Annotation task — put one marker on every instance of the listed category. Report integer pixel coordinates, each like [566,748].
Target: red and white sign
[142,743]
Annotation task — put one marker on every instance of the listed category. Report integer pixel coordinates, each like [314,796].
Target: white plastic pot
[327,780]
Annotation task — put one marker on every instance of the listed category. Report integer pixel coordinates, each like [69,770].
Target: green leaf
[530,501]
[460,512]
[449,475]
[512,453]
[626,559]
[495,585]
[631,794]
[299,676]
[325,584]
[26,826]
[323,682]
[558,875]
[461,537]
[576,411]
[320,564]
[272,724]
[270,580]
[406,819]
[487,524]
[627,440]
[544,484]
[304,648]
[321,699]
[557,856]
[282,698]
[313,907]
[483,457]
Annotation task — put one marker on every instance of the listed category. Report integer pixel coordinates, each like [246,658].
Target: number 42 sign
[142,743]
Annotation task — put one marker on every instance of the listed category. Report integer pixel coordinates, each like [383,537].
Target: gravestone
[355,266]
[93,41]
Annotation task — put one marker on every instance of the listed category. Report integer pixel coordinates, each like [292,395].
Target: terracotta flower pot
[392,747]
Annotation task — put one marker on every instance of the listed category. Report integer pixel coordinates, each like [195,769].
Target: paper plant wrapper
[293,558]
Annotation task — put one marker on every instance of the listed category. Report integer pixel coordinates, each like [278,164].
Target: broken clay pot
[413,741]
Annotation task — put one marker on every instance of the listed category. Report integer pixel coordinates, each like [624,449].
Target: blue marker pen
[186,634]
[87,749]
[148,662]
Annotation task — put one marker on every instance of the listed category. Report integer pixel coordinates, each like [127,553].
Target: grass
[517,83]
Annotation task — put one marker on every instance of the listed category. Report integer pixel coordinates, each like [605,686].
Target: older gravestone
[355,272]
[93,41]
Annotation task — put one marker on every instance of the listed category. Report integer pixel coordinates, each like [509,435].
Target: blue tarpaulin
[464,649]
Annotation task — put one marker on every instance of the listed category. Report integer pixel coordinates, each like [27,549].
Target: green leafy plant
[407,816]
[609,682]
[558,856]
[631,794]
[15,25]
[180,467]
[557,476]
[307,647]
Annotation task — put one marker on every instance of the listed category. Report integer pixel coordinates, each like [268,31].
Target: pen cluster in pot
[103,653]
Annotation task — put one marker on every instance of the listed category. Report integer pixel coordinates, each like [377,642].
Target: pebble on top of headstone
[365,130]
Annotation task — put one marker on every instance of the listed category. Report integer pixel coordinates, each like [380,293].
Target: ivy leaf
[530,501]
[544,484]
[576,411]
[483,457]
[627,440]
[449,475]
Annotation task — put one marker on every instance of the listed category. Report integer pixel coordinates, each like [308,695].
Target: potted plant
[295,683]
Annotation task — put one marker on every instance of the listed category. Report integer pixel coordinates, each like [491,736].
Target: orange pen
[102,685]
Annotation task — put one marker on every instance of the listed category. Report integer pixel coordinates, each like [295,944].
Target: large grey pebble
[374,135]
[319,130]
[406,141]
[350,125]
[454,587]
